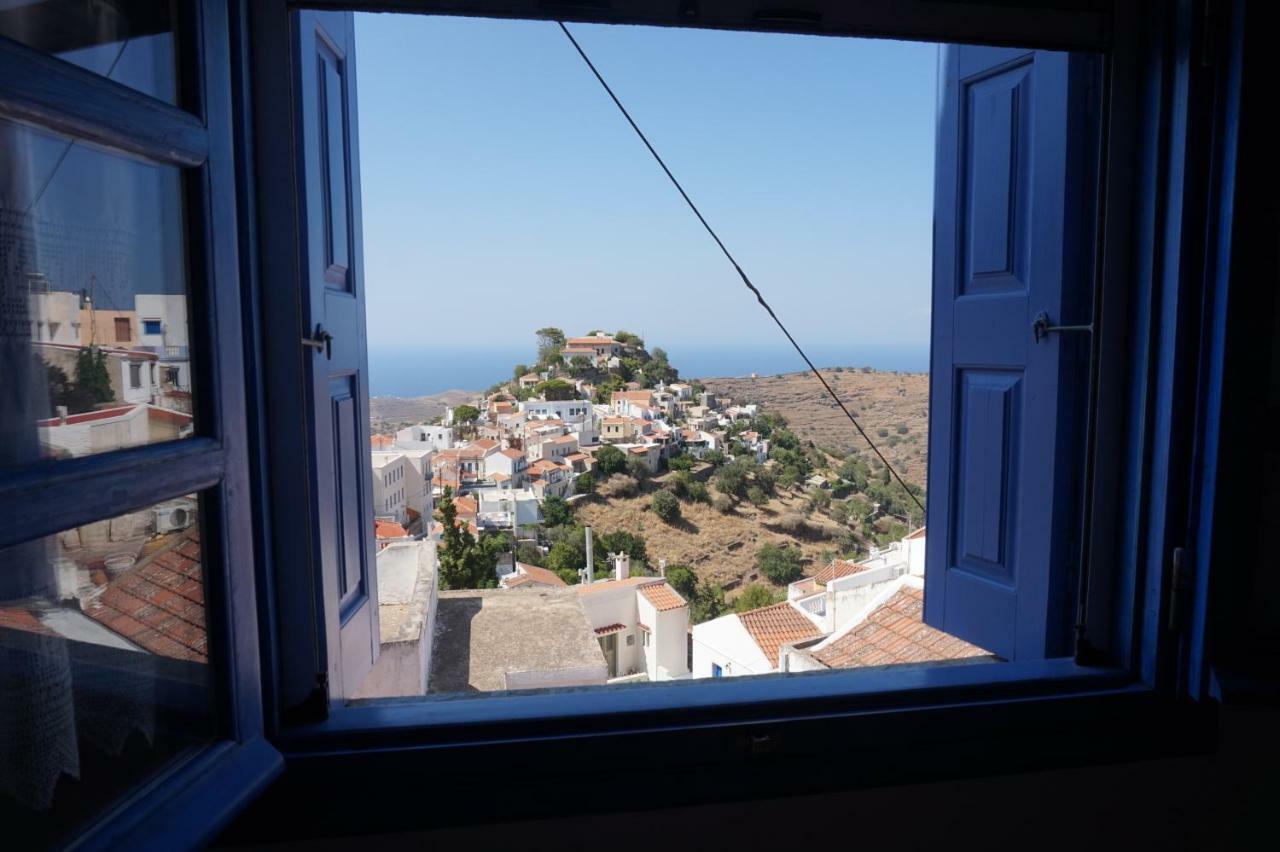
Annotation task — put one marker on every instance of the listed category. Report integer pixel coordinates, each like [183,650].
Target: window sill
[698,742]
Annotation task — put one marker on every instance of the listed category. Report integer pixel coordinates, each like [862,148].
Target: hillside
[719,547]
[882,401]
[392,412]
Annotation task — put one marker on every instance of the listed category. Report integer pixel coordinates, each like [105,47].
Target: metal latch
[1179,587]
[320,339]
[1041,328]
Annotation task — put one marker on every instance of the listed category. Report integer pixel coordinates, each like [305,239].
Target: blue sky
[503,191]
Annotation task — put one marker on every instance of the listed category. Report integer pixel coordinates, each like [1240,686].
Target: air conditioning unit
[175,515]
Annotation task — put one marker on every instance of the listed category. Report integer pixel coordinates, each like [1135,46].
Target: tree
[665,506]
[626,338]
[466,414]
[683,461]
[555,390]
[622,541]
[579,364]
[855,470]
[530,553]
[519,370]
[585,483]
[683,580]
[819,500]
[550,342]
[707,603]
[755,596]
[779,563]
[756,495]
[732,479]
[556,512]
[93,382]
[638,469]
[715,458]
[604,390]
[463,563]
[610,460]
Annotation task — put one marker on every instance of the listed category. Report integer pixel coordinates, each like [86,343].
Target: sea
[424,371]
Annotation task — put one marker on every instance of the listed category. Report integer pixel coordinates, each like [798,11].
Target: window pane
[89,242]
[104,673]
[129,42]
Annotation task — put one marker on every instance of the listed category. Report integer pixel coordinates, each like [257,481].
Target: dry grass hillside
[882,402]
[719,547]
[396,412]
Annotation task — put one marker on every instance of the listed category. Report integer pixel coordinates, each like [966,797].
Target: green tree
[755,596]
[757,496]
[556,512]
[683,580]
[605,390]
[555,390]
[715,458]
[707,603]
[610,460]
[579,364]
[626,338]
[665,506]
[682,461]
[550,342]
[93,382]
[519,370]
[621,541]
[463,563]
[466,414]
[585,483]
[819,500]
[732,479]
[530,553]
[779,563]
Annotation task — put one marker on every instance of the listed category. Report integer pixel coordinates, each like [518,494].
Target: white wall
[424,436]
[617,606]
[726,642]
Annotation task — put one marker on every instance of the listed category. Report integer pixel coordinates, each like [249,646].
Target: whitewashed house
[641,622]
[425,436]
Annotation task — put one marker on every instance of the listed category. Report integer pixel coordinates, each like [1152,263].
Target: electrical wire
[745,280]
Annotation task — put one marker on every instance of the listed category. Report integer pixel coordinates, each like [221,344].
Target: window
[152,327]
[124,663]
[997,402]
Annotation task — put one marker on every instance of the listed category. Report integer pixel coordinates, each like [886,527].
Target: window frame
[183,801]
[1158,119]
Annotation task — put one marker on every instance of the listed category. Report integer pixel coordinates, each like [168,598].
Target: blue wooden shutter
[336,301]
[1009,242]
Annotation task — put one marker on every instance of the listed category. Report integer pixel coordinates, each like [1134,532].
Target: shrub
[755,596]
[638,470]
[882,432]
[680,462]
[665,506]
[757,496]
[698,493]
[556,512]
[610,460]
[722,503]
[779,563]
[902,429]
[820,500]
[618,485]
[585,483]
[791,522]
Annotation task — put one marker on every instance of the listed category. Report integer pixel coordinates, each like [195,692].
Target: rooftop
[406,577]
[484,636]
[776,625]
[894,633]
[663,597]
[836,569]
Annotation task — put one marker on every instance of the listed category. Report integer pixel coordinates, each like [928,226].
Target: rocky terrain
[892,407]
[387,413]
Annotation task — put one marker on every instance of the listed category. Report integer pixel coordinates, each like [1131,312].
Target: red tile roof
[610,628]
[159,603]
[389,529]
[512,454]
[466,505]
[663,597]
[590,341]
[836,569]
[609,585]
[775,625]
[894,633]
[17,618]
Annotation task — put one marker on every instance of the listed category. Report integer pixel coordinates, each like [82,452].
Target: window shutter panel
[339,361]
[1005,409]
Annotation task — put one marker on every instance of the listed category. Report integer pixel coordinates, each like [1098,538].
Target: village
[488,581]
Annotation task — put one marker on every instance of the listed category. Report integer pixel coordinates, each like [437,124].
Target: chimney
[61,411]
[662,568]
[590,575]
[621,566]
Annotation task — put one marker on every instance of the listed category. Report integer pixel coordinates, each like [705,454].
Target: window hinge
[1179,588]
[313,708]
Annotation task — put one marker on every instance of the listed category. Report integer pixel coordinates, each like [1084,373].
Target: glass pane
[129,42]
[93,306]
[104,673]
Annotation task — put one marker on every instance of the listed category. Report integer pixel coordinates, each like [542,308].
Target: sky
[502,190]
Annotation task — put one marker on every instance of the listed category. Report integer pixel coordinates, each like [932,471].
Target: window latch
[1179,588]
[320,339]
[1042,328]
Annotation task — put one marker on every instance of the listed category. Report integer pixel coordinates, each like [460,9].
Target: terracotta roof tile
[607,585]
[775,625]
[610,628]
[836,569]
[389,529]
[535,574]
[894,633]
[663,597]
[159,603]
